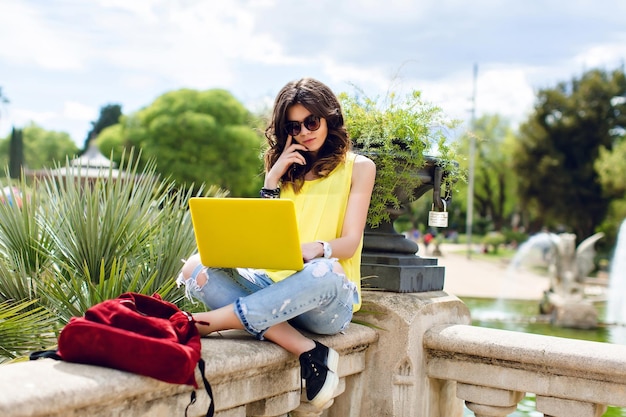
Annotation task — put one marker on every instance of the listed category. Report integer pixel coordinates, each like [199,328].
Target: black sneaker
[318,368]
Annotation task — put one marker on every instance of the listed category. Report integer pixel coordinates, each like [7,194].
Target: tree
[494,182]
[16,153]
[558,145]
[196,137]
[611,168]
[44,148]
[109,115]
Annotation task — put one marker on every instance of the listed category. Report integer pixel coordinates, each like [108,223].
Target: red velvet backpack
[136,333]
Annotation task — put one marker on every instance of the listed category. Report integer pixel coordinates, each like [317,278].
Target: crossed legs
[224,318]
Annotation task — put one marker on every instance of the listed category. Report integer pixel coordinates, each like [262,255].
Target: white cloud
[78,111]
[29,38]
[73,118]
[21,117]
[342,73]
[194,44]
[143,9]
[601,55]
[67,58]
[142,81]
[504,91]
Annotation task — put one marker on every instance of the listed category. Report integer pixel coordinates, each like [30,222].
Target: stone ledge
[242,371]
[564,369]
[568,357]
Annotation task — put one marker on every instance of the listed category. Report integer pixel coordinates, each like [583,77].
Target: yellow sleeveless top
[320,211]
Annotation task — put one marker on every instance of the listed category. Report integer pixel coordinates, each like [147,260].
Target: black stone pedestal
[389,262]
[401,273]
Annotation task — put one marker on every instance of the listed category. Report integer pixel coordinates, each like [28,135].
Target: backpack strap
[52,354]
[211,411]
[208,389]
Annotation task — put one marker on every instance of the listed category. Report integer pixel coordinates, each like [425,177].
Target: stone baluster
[560,407]
[305,409]
[489,402]
[278,406]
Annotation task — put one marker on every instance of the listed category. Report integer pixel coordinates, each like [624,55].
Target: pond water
[523,316]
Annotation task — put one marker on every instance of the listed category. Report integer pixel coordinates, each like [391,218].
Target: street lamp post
[470,181]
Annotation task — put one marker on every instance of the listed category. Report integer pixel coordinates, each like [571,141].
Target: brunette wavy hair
[319,99]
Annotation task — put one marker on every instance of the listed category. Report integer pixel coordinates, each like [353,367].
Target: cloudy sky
[62,60]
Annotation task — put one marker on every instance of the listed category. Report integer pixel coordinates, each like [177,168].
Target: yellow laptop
[246,233]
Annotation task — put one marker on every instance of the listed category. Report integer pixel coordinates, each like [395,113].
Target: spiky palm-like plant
[23,329]
[77,241]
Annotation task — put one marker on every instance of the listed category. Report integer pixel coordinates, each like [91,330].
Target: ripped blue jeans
[315,299]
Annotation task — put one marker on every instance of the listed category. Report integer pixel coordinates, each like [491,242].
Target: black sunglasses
[311,122]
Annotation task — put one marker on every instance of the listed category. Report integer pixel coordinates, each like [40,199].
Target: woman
[308,161]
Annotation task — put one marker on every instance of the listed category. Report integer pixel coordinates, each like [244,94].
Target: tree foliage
[196,137]
[558,145]
[611,168]
[42,148]
[109,115]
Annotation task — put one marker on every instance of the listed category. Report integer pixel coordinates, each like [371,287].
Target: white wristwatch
[328,250]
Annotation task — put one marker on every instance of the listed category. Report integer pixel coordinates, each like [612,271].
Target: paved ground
[471,277]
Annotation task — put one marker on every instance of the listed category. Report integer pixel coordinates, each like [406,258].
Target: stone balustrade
[381,373]
[417,356]
[494,369]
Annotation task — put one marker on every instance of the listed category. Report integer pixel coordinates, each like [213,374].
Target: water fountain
[568,267]
[616,303]
[519,315]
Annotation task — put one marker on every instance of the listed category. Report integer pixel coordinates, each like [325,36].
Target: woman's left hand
[312,250]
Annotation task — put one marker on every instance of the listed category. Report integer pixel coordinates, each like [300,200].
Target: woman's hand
[287,158]
[312,250]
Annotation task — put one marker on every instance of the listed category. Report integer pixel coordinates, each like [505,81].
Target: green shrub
[514,237]
[493,240]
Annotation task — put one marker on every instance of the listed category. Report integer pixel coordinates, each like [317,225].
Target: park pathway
[472,277]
